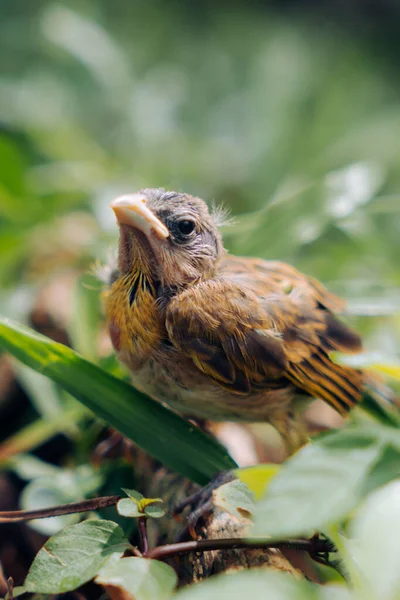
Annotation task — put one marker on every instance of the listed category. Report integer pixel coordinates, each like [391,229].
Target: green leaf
[154,512]
[255,584]
[236,498]
[380,409]
[12,173]
[74,556]
[33,435]
[139,506]
[133,495]
[335,592]
[318,486]
[257,478]
[29,467]
[61,487]
[45,493]
[147,501]
[375,545]
[384,470]
[128,508]
[142,578]
[41,391]
[162,433]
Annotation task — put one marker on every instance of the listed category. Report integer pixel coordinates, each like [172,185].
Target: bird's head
[170,237]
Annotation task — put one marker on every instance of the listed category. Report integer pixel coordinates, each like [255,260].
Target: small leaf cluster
[136,506]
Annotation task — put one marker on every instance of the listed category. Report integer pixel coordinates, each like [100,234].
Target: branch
[312,546]
[14,516]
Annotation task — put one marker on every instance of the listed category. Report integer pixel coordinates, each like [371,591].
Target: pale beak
[131,209]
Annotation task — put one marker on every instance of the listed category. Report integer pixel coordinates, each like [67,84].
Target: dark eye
[186,227]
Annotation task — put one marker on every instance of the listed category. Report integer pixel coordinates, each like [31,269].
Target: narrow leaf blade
[162,433]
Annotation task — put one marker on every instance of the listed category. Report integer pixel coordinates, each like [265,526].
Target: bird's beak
[131,210]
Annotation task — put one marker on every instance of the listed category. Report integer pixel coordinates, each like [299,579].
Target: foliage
[321,488]
[142,578]
[136,505]
[74,556]
[145,421]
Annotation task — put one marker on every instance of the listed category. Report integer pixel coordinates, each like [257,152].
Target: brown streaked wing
[261,322]
[227,335]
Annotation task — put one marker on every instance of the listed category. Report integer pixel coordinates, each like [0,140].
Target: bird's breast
[136,329]
[173,380]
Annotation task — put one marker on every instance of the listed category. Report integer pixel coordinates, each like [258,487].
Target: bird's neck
[135,255]
[135,324]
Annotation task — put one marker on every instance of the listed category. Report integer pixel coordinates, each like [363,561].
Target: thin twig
[10,587]
[13,516]
[144,541]
[312,546]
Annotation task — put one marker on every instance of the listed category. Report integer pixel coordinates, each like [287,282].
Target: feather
[266,324]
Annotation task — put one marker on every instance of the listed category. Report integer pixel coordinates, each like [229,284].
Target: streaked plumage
[221,337]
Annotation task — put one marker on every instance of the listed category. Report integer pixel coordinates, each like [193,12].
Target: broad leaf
[128,508]
[255,584]
[133,495]
[60,487]
[318,486]
[236,498]
[336,592]
[177,443]
[74,556]
[385,469]
[145,507]
[376,543]
[141,578]
[154,512]
[28,467]
[257,478]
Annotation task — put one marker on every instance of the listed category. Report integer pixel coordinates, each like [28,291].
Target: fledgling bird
[217,336]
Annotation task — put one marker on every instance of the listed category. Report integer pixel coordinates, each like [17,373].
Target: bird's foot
[200,503]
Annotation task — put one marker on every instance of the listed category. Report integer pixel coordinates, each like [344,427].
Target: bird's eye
[186,227]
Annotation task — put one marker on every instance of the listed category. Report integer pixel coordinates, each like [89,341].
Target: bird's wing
[260,325]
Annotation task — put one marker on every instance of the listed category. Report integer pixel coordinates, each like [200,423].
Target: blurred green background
[286,112]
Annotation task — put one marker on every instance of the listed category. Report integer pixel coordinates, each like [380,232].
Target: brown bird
[216,336]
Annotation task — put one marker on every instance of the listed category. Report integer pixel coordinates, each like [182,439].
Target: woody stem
[144,541]
[313,546]
[13,516]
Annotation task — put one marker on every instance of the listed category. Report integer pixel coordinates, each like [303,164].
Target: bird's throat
[133,317]
[135,253]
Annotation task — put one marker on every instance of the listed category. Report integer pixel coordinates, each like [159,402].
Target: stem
[13,516]
[10,587]
[312,546]
[144,541]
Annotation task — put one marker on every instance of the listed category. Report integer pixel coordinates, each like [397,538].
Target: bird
[219,337]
